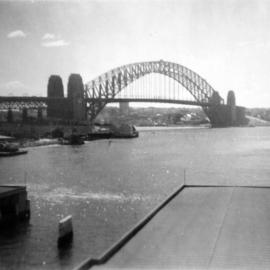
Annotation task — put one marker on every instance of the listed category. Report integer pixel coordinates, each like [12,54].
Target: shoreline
[28,143]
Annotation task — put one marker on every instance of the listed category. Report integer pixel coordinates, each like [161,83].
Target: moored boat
[9,149]
[10,154]
[73,139]
[125,131]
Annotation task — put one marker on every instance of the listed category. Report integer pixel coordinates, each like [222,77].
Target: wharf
[208,227]
[10,190]
[14,204]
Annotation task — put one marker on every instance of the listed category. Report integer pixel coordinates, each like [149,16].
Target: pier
[14,204]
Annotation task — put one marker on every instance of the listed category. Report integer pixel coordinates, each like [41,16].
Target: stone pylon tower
[55,89]
[76,97]
[232,107]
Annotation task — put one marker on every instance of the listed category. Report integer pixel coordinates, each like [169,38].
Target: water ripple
[59,195]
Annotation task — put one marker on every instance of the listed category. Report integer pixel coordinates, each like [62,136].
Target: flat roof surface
[203,228]
[7,190]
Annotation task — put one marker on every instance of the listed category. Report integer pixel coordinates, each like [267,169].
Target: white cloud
[48,36]
[13,88]
[252,44]
[55,43]
[16,34]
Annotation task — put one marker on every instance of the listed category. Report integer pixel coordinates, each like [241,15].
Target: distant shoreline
[153,128]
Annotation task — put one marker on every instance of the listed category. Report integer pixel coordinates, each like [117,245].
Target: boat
[9,149]
[73,139]
[10,154]
[125,131]
[99,135]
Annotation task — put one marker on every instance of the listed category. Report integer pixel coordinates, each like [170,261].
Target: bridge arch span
[106,86]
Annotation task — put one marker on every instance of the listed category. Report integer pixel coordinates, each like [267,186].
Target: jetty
[14,204]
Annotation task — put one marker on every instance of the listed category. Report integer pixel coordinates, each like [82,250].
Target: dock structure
[65,232]
[203,227]
[14,204]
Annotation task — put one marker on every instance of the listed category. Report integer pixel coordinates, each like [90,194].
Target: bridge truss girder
[19,105]
[104,88]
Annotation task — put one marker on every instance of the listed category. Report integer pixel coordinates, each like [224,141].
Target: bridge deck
[26,99]
[202,228]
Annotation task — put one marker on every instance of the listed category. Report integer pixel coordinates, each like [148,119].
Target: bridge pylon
[225,115]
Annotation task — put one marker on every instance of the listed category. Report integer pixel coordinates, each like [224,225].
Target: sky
[227,42]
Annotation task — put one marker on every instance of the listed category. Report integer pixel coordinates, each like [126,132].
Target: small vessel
[73,139]
[10,154]
[10,149]
[99,135]
[125,131]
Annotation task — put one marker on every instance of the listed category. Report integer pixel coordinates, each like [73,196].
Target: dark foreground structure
[14,205]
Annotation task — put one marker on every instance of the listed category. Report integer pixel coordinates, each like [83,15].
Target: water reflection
[108,187]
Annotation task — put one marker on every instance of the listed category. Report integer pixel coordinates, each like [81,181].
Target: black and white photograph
[134,134]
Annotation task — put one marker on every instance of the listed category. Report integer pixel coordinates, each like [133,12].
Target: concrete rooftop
[203,228]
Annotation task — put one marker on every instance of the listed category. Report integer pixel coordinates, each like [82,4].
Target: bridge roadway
[203,228]
[26,99]
[152,100]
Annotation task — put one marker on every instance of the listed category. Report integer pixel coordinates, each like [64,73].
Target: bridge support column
[124,108]
[39,114]
[24,114]
[226,116]
[55,89]
[219,115]
[10,115]
[79,113]
[76,96]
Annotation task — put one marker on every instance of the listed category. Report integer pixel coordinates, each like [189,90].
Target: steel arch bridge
[94,96]
[107,86]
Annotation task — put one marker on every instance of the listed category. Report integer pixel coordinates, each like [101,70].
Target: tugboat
[9,149]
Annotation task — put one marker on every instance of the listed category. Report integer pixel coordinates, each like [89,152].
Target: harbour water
[108,186]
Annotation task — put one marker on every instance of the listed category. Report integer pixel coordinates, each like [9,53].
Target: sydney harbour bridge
[122,84]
